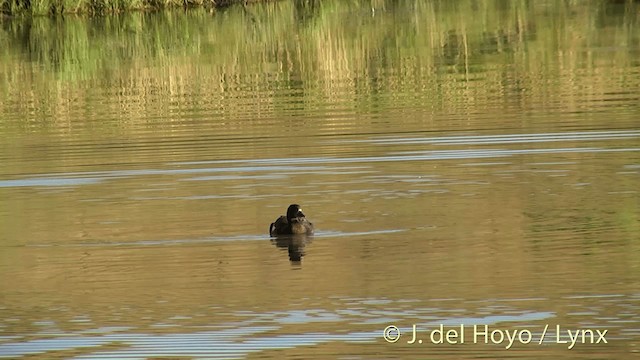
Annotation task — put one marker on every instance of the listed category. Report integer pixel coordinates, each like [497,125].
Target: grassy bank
[94,7]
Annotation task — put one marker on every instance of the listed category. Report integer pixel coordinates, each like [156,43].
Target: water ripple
[507,138]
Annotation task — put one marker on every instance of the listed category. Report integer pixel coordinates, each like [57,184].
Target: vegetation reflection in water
[464,162]
[334,58]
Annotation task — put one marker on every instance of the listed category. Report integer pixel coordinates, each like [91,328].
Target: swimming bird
[295,223]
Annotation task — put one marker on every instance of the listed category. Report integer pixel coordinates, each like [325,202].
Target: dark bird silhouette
[295,223]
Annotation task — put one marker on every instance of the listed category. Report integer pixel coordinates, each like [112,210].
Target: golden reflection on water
[464,164]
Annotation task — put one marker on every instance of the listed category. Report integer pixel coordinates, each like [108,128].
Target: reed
[96,7]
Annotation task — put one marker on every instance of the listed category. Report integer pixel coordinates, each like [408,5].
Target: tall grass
[93,7]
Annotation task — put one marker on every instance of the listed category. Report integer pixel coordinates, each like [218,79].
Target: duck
[294,223]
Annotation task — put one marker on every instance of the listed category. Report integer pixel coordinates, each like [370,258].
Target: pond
[465,165]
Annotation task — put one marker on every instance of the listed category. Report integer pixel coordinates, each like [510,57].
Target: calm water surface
[467,164]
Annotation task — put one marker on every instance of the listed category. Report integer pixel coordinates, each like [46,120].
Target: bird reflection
[295,245]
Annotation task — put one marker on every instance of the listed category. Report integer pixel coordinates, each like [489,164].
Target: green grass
[96,7]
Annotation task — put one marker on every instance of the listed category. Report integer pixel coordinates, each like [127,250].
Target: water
[465,165]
